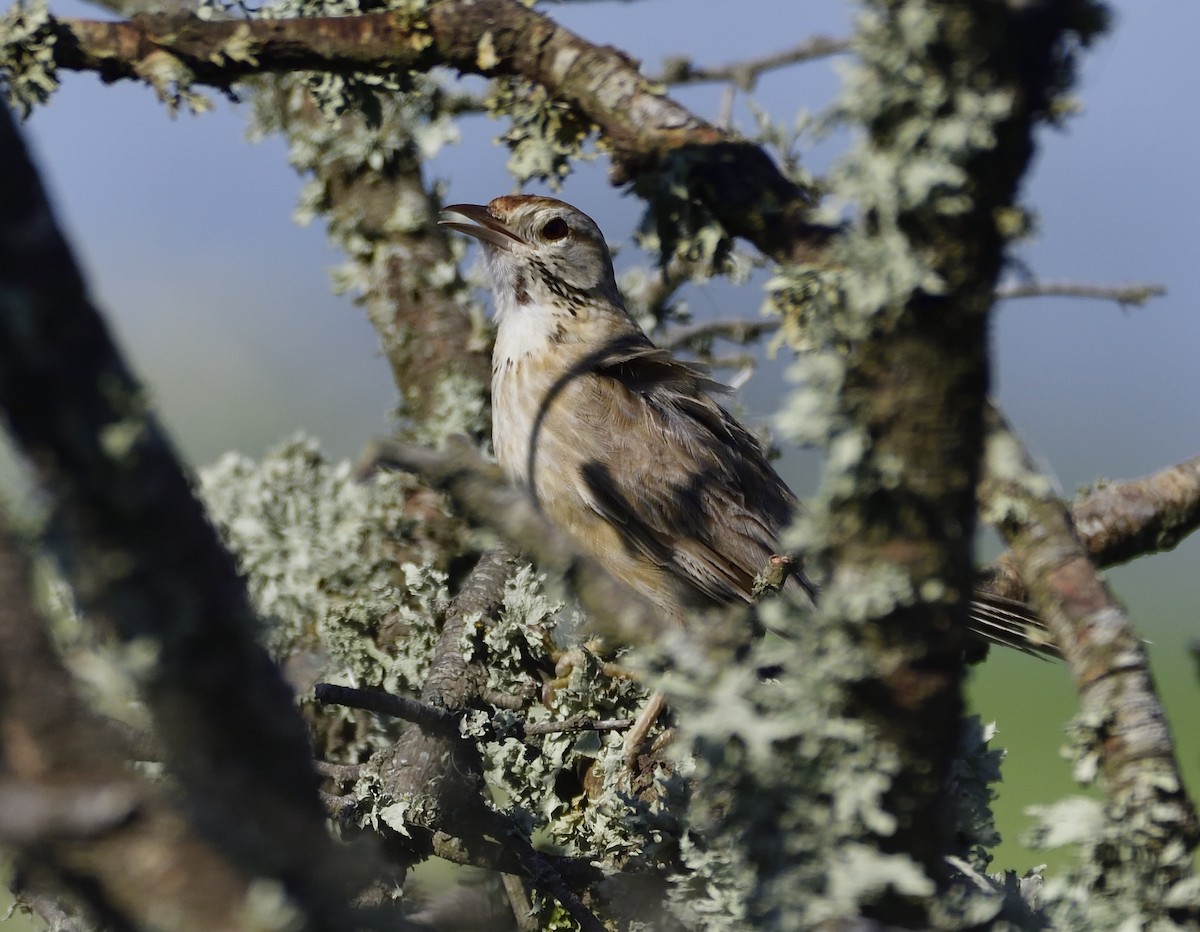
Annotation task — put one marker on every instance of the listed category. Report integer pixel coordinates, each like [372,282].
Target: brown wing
[693,491]
[690,487]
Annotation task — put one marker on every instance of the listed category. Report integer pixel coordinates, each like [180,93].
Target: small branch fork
[1117,522]
[745,74]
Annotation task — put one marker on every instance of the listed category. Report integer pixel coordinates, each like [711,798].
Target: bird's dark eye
[555,229]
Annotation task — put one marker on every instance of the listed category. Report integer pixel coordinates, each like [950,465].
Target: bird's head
[540,252]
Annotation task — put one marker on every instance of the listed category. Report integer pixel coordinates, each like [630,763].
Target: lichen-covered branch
[145,563]
[1119,521]
[442,775]
[1123,520]
[365,177]
[949,95]
[645,130]
[1126,731]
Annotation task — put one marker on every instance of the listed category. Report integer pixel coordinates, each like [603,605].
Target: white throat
[524,329]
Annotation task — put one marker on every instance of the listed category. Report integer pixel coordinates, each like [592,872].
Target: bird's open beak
[486,228]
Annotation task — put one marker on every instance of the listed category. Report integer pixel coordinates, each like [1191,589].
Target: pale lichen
[28,73]
[339,571]
[544,135]
[677,224]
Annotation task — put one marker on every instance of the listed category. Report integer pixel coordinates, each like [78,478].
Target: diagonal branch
[645,130]
[1128,733]
[71,813]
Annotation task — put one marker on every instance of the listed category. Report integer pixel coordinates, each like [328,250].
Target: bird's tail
[1014,624]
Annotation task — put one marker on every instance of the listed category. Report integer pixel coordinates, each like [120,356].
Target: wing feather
[703,501]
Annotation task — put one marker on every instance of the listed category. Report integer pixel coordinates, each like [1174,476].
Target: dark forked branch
[645,130]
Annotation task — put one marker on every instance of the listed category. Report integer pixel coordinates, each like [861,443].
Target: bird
[621,444]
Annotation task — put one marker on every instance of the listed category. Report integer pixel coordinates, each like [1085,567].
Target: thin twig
[426,717]
[340,774]
[441,722]
[1125,295]
[736,331]
[745,74]
[748,331]
[578,725]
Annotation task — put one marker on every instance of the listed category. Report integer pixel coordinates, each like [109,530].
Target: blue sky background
[224,307]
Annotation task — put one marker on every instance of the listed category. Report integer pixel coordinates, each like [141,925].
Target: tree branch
[748,331]
[72,814]
[736,331]
[910,328]
[1127,727]
[1119,521]
[410,288]
[436,721]
[144,561]
[444,772]
[428,718]
[646,131]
